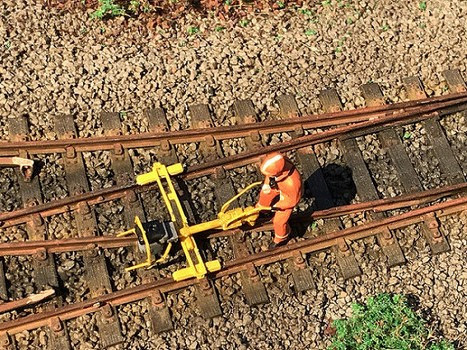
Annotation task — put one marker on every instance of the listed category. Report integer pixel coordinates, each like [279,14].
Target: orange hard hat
[273,164]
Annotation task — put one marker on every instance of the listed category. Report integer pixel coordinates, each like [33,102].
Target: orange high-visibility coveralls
[287,194]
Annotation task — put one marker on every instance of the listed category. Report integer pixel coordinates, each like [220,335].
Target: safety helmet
[273,164]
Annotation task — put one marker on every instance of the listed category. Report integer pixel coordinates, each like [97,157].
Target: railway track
[378,119]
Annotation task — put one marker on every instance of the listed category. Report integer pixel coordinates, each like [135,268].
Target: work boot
[273,244]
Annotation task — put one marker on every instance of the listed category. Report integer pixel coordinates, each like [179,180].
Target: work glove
[266,188]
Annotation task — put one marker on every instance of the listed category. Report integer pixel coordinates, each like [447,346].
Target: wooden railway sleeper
[298,266]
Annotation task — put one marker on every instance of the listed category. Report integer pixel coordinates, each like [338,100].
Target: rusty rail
[65,245]
[237,160]
[168,284]
[121,142]
[108,242]
[245,158]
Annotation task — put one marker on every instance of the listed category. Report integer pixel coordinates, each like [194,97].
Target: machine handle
[246,189]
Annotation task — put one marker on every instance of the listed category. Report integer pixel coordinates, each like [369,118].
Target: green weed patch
[385,322]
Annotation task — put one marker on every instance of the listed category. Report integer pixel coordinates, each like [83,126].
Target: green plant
[314,225]
[7,44]
[219,28]
[108,8]
[193,30]
[311,32]
[407,135]
[385,322]
[306,12]
[326,2]
[134,6]
[281,4]
[228,2]
[422,5]
[244,22]
[385,28]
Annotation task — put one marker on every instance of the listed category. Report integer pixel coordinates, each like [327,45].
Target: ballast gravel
[55,62]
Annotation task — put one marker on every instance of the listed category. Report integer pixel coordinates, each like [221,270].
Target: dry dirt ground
[56,62]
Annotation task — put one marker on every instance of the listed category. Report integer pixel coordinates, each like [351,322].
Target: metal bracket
[118,149]
[432,232]
[70,152]
[56,324]
[165,145]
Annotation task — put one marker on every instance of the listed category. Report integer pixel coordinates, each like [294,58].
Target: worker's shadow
[326,188]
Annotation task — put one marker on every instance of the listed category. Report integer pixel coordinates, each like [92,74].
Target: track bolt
[32,202]
[83,208]
[436,234]
[252,272]
[220,173]
[205,285]
[56,324]
[131,196]
[165,145]
[299,260]
[91,246]
[255,136]
[157,298]
[118,149]
[107,311]
[41,254]
[387,234]
[343,247]
[210,141]
[37,220]
[70,152]
[6,340]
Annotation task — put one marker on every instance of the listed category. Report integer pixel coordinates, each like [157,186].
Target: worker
[281,190]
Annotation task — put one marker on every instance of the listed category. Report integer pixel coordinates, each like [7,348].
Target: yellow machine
[152,237]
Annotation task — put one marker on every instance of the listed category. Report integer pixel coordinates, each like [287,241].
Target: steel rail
[234,161]
[108,242]
[65,245]
[149,139]
[168,284]
[245,158]
[380,205]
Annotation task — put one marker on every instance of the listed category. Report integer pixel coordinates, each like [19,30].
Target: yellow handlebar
[246,189]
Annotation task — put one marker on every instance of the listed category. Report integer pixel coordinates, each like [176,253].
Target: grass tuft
[385,322]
